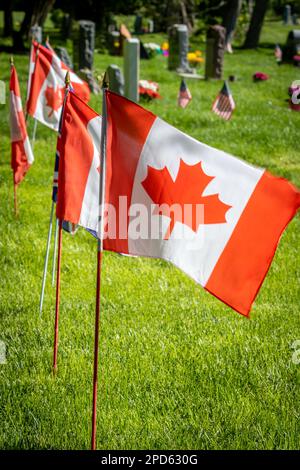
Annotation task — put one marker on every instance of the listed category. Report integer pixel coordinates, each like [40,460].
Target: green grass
[178,369]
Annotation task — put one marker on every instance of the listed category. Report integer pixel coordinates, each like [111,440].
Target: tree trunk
[36,13]
[230,17]
[257,19]
[40,11]
[8,19]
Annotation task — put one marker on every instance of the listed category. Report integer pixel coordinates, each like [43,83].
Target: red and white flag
[79,176]
[169,196]
[184,95]
[21,153]
[224,104]
[47,85]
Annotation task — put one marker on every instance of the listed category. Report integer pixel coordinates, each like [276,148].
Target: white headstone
[150,26]
[132,68]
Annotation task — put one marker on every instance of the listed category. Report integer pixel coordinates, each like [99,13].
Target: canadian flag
[21,153]
[169,196]
[46,87]
[78,179]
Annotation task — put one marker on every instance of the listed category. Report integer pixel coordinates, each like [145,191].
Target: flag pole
[35,120]
[54,251]
[57,303]
[46,258]
[33,133]
[15,200]
[99,259]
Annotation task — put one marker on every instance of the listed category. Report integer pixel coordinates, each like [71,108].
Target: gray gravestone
[66,26]
[150,26]
[138,24]
[292,46]
[36,33]
[215,45]
[83,52]
[64,56]
[178,48]
[111,27]
[86,44]
[115,79]
[132,68]
[113,42]
[287,14]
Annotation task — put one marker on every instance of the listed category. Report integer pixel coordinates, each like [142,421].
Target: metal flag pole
[34,133]
[54,252]
[35,120]
[46,258]
[99,259]
[57,303]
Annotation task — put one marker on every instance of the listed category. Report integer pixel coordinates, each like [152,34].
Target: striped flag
[21,152]
[184,95]
[224,104]
[47,83]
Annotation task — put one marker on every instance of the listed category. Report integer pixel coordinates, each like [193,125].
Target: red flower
[260,76]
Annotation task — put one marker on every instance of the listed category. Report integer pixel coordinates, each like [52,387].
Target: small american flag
[278,53]
[224,104]
[184,95]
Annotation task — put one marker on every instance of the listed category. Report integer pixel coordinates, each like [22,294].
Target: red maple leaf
[186,189]
[54,98]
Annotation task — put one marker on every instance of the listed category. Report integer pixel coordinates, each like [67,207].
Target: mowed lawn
[178,369]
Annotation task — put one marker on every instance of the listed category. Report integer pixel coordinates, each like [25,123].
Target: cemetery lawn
[178,369]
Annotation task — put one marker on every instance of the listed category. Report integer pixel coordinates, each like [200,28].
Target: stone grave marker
[138,24]
[287,14]
[124,34]
[150,26]
[215,45]
[83,52]
[36,33]
[113,42]
[178,48]
[132,68]
[64,56]
[115,79]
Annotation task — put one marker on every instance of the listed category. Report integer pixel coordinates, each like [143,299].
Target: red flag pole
[57,303]
[16,200]
[99,260]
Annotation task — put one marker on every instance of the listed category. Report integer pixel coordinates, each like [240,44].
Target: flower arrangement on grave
[195,58]
[148,90]
[152,49]
[260,77]
[294,100]
[165,49]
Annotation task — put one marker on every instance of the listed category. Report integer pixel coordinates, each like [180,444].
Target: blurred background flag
[184,95]
[21,152]
[224,104]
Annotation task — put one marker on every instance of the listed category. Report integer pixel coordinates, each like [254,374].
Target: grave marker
[115,79]
[215,45]
[178,48]
[132,68]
